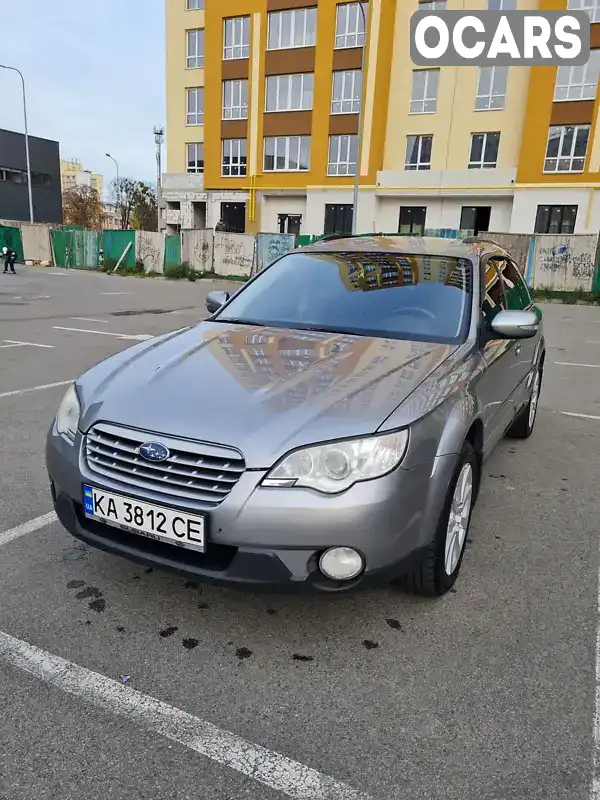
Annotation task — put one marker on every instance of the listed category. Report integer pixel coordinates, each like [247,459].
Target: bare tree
[124,194]
[82,206]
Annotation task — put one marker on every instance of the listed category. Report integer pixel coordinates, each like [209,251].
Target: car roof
[406,245]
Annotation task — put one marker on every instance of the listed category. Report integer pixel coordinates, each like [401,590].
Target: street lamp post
[360,122]
[14,69]
[118,204]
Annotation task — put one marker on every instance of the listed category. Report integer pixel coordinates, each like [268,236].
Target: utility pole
[159,136]
[118,203]
[14,69]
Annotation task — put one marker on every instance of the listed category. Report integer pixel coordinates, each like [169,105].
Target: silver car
[324,429]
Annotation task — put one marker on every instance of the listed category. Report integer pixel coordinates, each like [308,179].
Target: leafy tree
[145,209]
[82,206]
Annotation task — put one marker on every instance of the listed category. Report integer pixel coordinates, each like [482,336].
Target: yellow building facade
[263,100]
[73,174]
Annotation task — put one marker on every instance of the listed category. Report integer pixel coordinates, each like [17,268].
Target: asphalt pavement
[485,694]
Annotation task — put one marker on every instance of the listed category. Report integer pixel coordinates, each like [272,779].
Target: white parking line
[265,766]
[28,344]
[138,337]
[573,364]
[89,319]
[35,388]
[583,416]
[109,294]
[27,527]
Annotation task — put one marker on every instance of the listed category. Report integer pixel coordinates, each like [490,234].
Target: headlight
[332,468]
[67,418]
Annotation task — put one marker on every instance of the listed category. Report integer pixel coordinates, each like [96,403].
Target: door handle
[518,348]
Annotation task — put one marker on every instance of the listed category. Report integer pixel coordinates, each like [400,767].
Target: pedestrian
[9,260]
[220,226]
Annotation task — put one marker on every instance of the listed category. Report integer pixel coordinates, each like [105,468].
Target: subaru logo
[153,451]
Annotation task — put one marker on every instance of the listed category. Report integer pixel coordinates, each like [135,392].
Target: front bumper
[271,538]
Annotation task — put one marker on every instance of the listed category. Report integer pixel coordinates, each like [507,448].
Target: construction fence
[561,262]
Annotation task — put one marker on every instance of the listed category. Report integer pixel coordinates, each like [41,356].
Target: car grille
[194,471]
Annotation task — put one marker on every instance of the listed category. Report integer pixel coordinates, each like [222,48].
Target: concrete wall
[197,249]
[150,248]
[36,242]
[273,205]
[517,244]
[233,253]
[564,263]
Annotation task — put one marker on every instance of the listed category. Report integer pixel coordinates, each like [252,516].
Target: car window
[494,299]
[517,293]
[417,297]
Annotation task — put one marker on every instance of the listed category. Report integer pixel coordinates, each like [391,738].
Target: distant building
[73,174]
[45,178]
[112,218]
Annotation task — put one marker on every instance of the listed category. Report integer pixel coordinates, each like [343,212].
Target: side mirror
[515,324]
[214,301]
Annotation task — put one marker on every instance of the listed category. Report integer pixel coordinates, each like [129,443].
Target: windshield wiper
[240,321]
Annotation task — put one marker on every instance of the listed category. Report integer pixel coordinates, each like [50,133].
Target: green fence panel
[62,248]
[172,251]
[114,243]
[87,248]
[11,237]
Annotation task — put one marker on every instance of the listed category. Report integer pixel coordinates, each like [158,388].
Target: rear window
[416,297]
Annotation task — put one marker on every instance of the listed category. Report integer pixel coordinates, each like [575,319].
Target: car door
[496,385]
[519,299]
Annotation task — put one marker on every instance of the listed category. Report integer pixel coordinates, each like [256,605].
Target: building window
[289,223]
[502,5]
[592,7]
[236,38]
[555,219]
[290,92]
[195,5]
[235,99]
[195,49]
[195,157]
[338,218]
[295,28]
[578,83]
[423,99]
[343,155]
[566,148]
[234,158]
[432,5]
[346,91]
[195,106]
[475,218]
[418,152]
[491,89]
[287,154]
[349,25]
[412,219]
[484,150]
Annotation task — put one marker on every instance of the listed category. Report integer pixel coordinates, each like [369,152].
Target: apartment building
[263,101]
[73,174]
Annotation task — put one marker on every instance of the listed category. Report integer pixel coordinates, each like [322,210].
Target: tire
[522,427]
[430,575]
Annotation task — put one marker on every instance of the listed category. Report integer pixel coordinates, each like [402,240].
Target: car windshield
[391,295]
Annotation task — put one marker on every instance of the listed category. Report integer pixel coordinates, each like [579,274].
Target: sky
[95,78]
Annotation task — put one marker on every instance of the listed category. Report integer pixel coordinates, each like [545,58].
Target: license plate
[154,522]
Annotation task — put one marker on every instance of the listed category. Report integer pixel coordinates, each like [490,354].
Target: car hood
[261,390]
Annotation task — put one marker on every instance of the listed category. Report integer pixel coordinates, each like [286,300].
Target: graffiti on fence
[564,262]
[234,255]
[202,253]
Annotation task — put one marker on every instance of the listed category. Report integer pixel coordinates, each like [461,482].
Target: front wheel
[522,427]
[439,564]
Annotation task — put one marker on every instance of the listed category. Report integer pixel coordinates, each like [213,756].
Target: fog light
[341,563]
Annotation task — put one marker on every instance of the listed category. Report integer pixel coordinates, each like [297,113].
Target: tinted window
[422,298]
[494,299]
[517,293]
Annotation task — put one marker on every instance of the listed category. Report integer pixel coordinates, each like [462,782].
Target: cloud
[95,78]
